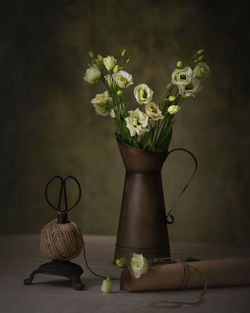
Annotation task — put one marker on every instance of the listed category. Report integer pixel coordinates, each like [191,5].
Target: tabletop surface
[20,255]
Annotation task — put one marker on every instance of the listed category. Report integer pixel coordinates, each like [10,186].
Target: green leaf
[190,259]
[159,261]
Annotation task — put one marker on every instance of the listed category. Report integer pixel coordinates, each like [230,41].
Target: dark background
[48,126]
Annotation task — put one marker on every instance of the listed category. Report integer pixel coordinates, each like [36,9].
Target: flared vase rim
[140,150]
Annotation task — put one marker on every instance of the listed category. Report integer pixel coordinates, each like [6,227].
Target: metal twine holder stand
[67,269]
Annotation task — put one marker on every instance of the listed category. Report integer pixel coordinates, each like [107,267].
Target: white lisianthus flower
[102,103]
[109,62]
[153,111]
[106,285]
[143,94]
[182,76]
[172,109]
[201,70]
[190,89]
[139,265]
[137,122]
[123,79]
[92,75]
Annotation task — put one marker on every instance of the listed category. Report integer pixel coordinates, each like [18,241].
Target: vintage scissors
[63,213]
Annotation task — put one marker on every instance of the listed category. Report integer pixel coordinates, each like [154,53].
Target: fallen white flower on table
[139,265]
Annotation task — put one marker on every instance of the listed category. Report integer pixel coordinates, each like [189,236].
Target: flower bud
[106,285]
[168,86]
[109,62]
[200,51]
[120,262]
[112,113]
[123,53]
[200,58]
[91,54]
[173,109]
[171,98]
[179,64]
[100,57]
[128,59]
[116,69]
[119,92]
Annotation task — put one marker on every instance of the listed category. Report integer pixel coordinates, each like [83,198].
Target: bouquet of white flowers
[149,129]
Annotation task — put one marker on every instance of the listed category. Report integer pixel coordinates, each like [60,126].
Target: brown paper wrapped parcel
[223,272]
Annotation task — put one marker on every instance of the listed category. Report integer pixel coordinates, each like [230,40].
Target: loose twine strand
[178,303]
[86,262]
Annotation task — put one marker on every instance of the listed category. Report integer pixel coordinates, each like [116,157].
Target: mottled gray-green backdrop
[49,127]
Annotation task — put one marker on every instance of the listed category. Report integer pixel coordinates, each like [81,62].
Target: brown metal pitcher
[143,220]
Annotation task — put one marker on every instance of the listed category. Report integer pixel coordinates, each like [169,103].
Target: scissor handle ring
[79,191]
[63,190]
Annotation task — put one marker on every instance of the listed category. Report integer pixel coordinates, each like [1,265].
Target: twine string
[87,264]
[179,303]
[90,269]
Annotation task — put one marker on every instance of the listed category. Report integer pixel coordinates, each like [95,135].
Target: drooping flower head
[92,75]
[201,70]
[143,94]
[190,89]
[153,111]
[102,103]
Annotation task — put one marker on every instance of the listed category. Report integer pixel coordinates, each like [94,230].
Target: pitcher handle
[169,216]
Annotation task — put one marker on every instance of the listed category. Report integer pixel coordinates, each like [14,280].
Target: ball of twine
[61,241]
